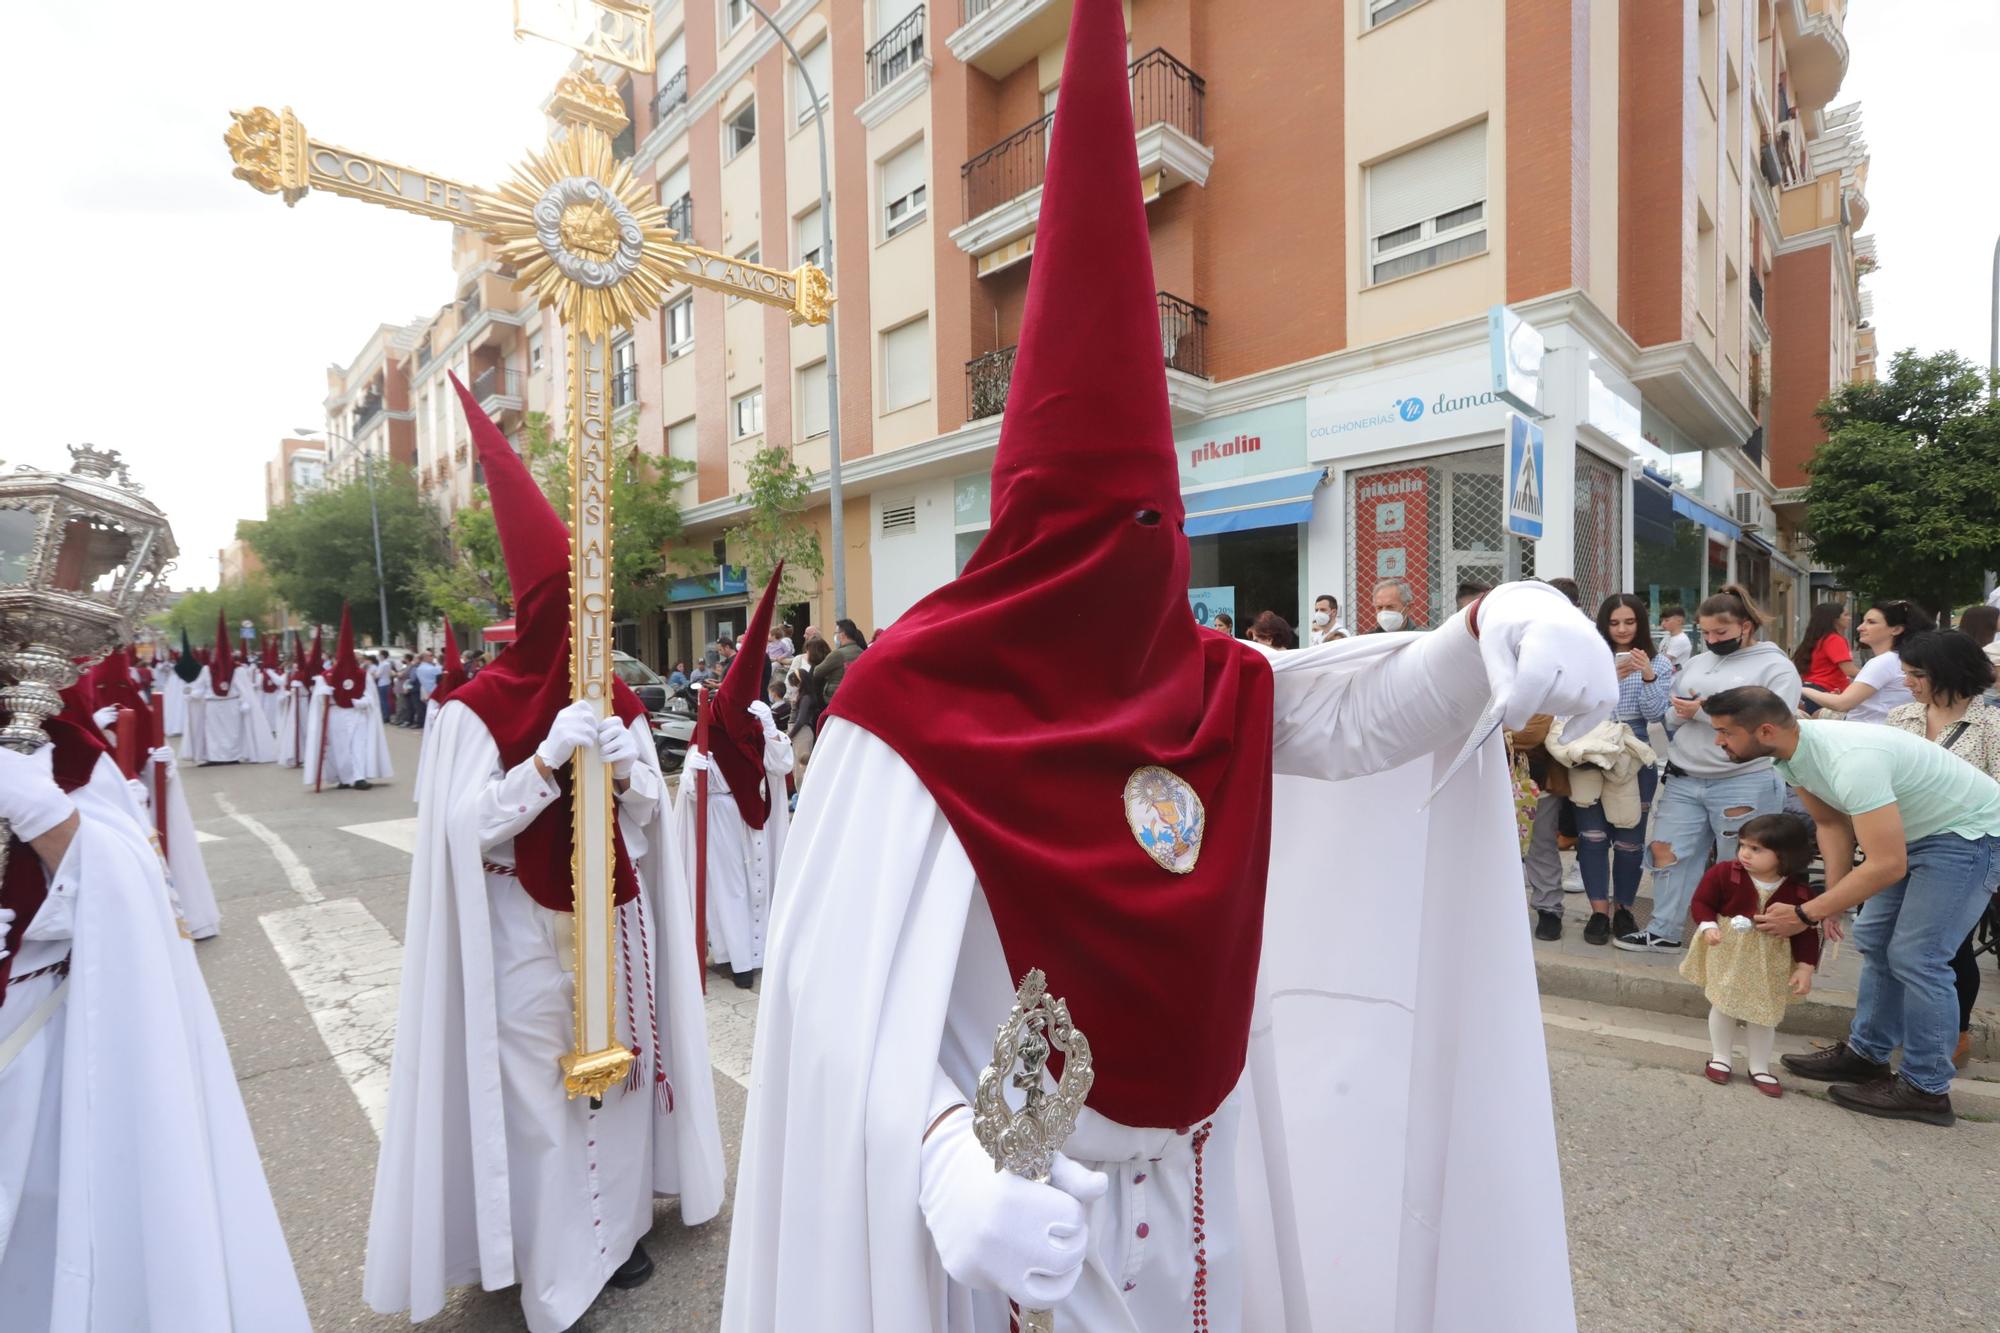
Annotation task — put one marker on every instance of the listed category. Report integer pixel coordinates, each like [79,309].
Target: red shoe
[1718,1072]
[1767,1084]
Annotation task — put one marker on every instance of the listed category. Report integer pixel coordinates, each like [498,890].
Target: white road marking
[398,833]
[199,836]
[348,968]
[288,861]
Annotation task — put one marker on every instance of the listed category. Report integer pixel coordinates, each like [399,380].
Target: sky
[167,310]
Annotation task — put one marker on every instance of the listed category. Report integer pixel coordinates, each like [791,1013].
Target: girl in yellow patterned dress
[1748,975]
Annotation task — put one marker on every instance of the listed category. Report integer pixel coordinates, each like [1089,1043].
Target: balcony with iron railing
[497,389]
[1001,187]
[673,94]
[996,37]
[896,52]
[367,414]
[1183,346]
[680,216]
[625,387]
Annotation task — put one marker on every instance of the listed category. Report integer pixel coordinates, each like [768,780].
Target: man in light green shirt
[1930,825]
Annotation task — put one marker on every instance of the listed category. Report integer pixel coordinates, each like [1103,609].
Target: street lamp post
[837,517]
[374,520]
[1993,352]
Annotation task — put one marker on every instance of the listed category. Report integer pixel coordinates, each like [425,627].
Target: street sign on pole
[1526,491]
[1516,350]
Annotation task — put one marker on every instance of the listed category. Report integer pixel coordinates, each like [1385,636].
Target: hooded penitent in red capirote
[1035,768]
[520,693]
[344,673]
[453,674]
[736,739]
[222,662]
[270,666]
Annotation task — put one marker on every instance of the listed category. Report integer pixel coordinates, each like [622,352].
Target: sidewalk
[1603,974]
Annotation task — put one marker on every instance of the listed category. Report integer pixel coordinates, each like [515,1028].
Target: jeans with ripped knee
[1692,815]
[1611,859]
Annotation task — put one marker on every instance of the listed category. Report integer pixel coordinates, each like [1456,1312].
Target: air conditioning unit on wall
[1751,511]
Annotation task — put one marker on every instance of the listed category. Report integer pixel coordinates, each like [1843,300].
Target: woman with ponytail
[1706,796]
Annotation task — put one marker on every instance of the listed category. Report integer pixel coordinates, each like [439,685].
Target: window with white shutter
[906,364]
[681,440]
[1381,11]
[674,184]
[740,131]
[811,401]
[806,237]
[746,414]
[680,328]
[903,192]
[1427,206]
[816,61]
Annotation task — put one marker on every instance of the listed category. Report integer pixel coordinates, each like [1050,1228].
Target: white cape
[444,1211]
[172,690]
[231,728]
[187,872]
[291,728]
[131,1193]
[356,747]
[1395,1165]
[742,861]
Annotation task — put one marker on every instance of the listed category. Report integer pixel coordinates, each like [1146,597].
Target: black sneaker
[1549,925]
[634,1271]
[1597,930]
[1838,1063]
[363,785]
[1894,1099]
[1645,941]
[1622,922]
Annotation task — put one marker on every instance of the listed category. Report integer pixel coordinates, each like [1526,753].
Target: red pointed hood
[111,682]
[1118,811]
[520,693]
[222,662]
[316,659]
[453,674]
[270,665]
[736,739]
[344,673]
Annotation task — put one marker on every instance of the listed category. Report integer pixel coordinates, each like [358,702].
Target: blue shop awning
[1652,512]
[1279,501]
[1690,508]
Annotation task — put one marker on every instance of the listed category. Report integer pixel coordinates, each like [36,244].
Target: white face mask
[1391,621]
[1320,619]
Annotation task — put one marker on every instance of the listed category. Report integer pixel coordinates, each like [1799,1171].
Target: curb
[1663,991]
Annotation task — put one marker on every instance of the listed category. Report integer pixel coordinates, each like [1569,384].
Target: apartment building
[367,405]
[1667,191]
[300,466]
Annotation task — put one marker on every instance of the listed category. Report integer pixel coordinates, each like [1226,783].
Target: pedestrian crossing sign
[1526,480]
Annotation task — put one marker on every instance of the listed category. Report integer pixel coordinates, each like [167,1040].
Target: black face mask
[1725,647]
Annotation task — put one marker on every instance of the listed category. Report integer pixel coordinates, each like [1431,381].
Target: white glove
[696,762]
[105,717]
[6,924]
[762,712]
[30,801]
[140,795]
[164,757]
[1543,656]
[574,728]
[995,1231]
[616,743]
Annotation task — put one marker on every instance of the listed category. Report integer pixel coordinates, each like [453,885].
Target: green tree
[320,550]
[1905,492]
[777,491]
[252,599]
[471,582]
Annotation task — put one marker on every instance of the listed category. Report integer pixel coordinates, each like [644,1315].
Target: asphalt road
[1691,1207]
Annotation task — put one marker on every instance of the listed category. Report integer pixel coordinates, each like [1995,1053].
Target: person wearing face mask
[1393,609]
[1878,687]
[1326,624]
[1706,797]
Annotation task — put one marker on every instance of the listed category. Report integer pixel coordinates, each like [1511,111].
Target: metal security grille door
[1600,529]
[1433,522]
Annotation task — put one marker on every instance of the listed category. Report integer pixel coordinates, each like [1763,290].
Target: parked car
[648,684]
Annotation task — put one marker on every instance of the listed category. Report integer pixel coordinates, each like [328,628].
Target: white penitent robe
[356,749]
[271,699]
[172,690]
[131,1193]
[187,873]
[1387,1161]
[291,727]
[231,729]
[742,861]
[489,1173]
